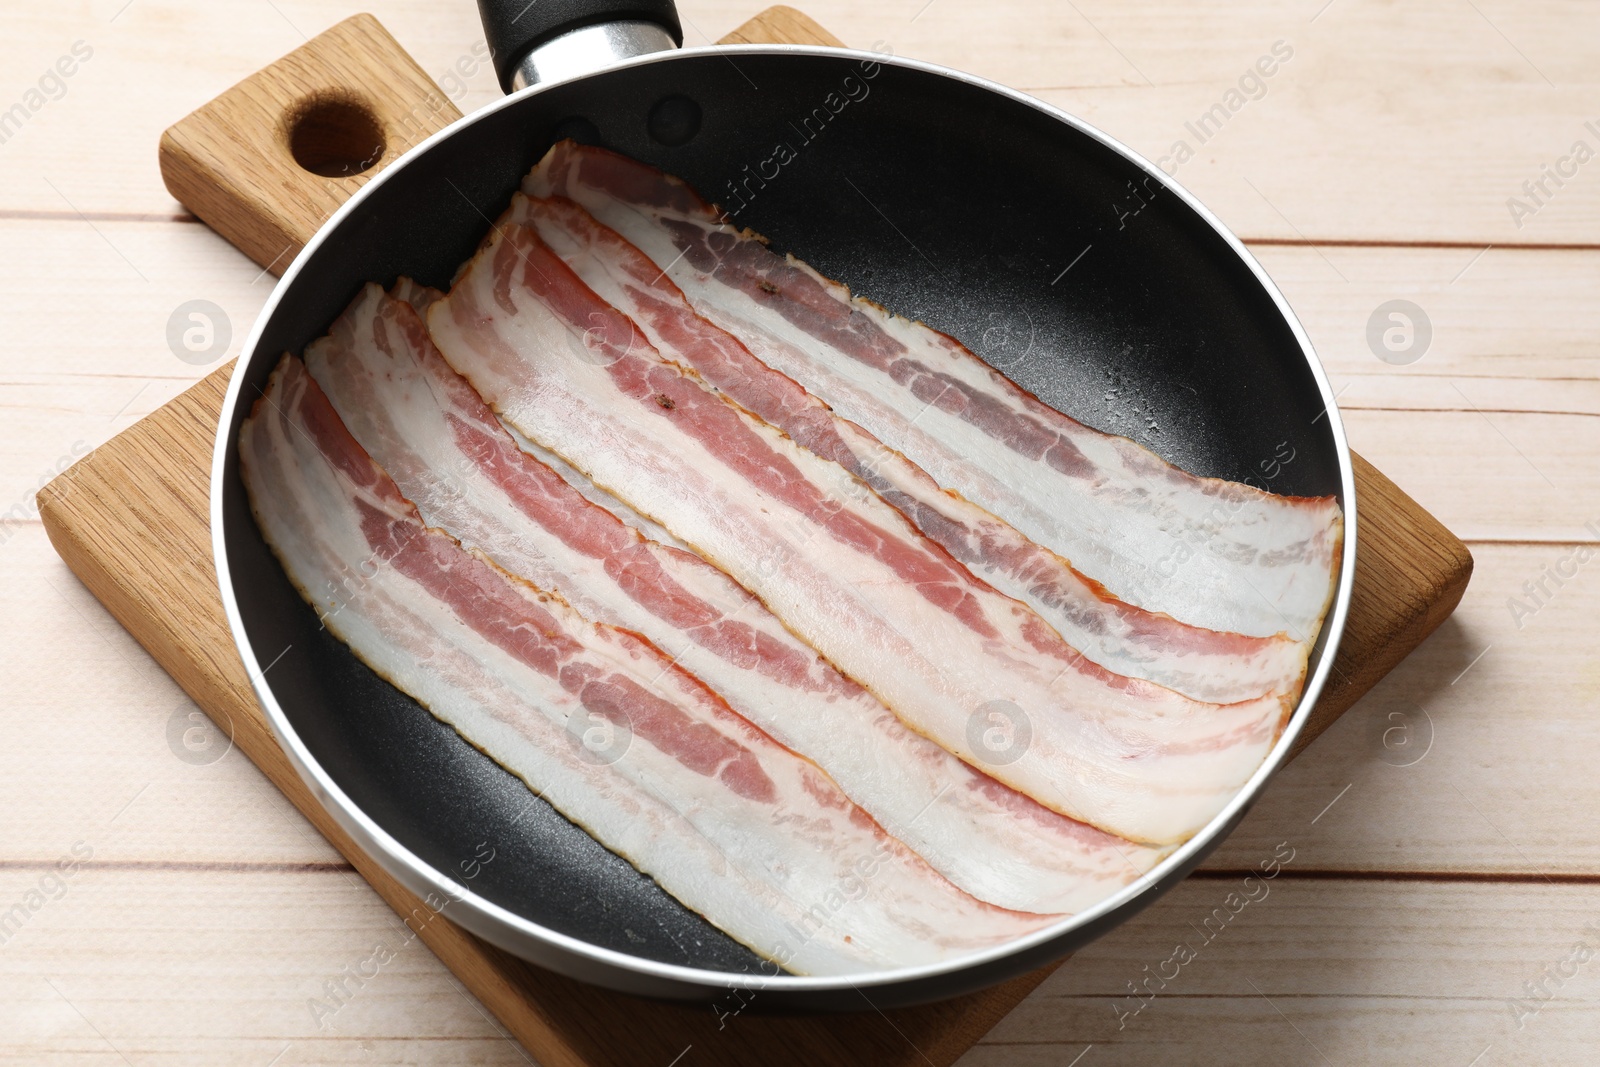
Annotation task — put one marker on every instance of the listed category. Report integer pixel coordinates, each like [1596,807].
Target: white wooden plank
[1502,315]
[1434,114]
[1312,972]
[1365,972]
[1474,755]
[1444,767]
[205,967]
[1499,476]
[100,744]
[103,361]
[154,61]
[1507,335]
[89,353]
[1512,329]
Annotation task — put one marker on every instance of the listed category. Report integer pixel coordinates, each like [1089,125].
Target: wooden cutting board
[131,520]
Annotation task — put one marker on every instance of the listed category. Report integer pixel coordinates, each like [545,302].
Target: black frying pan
[1073,265]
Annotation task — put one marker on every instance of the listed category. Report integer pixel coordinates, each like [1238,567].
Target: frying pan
[1075,266]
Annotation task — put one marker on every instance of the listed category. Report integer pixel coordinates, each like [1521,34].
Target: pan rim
[411,870]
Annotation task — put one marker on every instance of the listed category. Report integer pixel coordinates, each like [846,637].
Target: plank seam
[1217,874]
[188,866]
[185,218]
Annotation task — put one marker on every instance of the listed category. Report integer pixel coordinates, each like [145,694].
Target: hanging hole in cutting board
[336,136]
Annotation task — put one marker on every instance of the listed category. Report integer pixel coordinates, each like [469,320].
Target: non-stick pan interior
[1047,252]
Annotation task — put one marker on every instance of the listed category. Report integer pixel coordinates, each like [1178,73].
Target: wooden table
[1445,862]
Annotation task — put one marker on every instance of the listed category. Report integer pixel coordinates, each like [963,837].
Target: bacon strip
[597,720]
[843,570]
[422,297]
[1213,553]
[448,454]
[1216,667]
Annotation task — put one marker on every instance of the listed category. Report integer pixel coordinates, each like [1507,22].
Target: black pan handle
[514,28]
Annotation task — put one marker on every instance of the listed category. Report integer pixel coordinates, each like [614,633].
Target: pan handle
[540,40]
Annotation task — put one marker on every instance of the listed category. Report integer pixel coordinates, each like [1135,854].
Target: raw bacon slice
[1212,553]
[1216,667]
[595,719]
[425,425]
[970,668]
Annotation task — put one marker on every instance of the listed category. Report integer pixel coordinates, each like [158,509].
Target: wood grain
[230,162]
[1349,984]
[151,482]
[131,521]
[781,24]
[1410,575]
[1512,336]
[1403,750]
[1456,983]
[1431,117]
